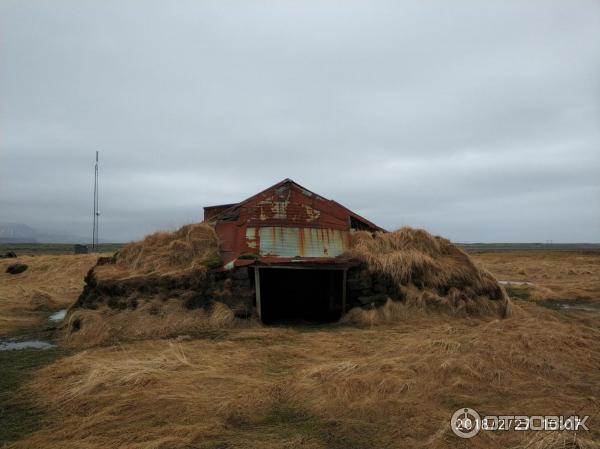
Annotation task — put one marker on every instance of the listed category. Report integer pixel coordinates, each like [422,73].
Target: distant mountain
[22,233]
[17,233]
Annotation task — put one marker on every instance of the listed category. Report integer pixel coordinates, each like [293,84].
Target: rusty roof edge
[302,188]
[359,217]
[289,180]
[241,203]
[228,205]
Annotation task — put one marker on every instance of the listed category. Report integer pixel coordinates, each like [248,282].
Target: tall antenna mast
[96,212]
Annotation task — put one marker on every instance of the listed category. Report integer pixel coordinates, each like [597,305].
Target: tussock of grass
[429,272]
[157,287]
[193,246]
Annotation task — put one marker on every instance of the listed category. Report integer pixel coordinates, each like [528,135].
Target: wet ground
[12,344]
[571,304]
[58,316]
[515,283]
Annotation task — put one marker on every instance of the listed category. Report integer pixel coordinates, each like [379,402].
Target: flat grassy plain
[36,249]
[563,274]
[394,385]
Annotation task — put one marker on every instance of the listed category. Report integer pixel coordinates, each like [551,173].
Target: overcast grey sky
[478,120]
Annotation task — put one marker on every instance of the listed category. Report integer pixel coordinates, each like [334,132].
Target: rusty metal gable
[286,221]
[289,205]
[281,192]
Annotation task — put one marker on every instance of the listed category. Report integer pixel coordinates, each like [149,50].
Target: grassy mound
[428,271]
[158,287]
[161,286]
[194,246]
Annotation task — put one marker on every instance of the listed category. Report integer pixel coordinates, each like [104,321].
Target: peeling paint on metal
[252,237]
[279,209]
[312,213]
[289,222]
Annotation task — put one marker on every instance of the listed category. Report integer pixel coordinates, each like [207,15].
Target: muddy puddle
[14,344]
[573,304]
[515,283]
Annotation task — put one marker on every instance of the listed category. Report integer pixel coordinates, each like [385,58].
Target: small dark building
[292,241]
[80,249]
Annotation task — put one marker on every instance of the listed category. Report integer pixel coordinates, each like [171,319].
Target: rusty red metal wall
[286,221]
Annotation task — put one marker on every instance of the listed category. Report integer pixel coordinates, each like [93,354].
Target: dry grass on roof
[430,270]
[193,246]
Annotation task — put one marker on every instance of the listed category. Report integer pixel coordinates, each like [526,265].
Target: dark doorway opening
[300,295]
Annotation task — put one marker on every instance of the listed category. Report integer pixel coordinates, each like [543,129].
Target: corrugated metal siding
[318,228]
[302,242]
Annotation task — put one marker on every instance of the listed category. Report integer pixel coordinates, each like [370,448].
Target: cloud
[480,121]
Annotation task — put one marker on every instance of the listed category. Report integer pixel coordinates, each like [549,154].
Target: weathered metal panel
[252,238]
[213,211]
[279,241]
[229,240]
[285,221]
[289,205]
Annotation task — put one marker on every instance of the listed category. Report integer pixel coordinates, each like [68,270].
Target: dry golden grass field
[554,274]
[389,385]
[50,283]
